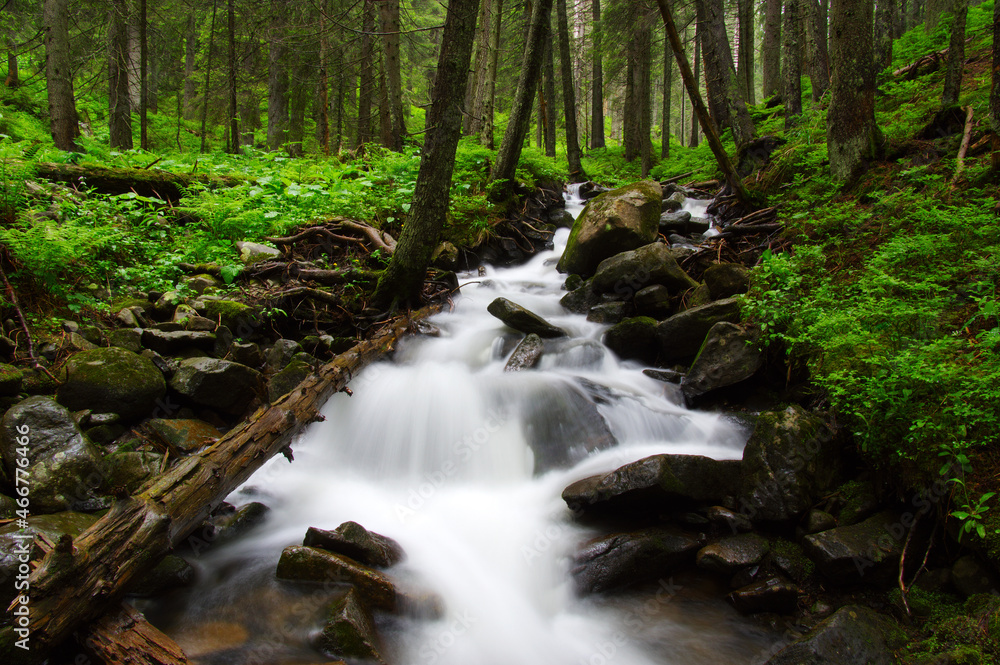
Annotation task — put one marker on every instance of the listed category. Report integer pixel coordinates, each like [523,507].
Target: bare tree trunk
[791,55]
[234,126]
[190,55]
[746,51]
[725,97]
[995,91]
[813,28]
[933,11]
[277,77]
[481,123]
[134,54]
[771,49]
[143,78]
[520,113]
[638,105]
[59,75]
[668,83]
[13,79]
[693,143]
[885,12]
[576,173]
[852,137]
[321,105]
[366,89]
[471,124]
[597,99]
[208,79]
[547,108]
[297,108]
[402,280]
[956,55]
[389,13]
[119,107]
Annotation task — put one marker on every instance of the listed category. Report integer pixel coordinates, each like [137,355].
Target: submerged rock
[309,564]
[526,354]
[112,380]
[622,559]
[562,426]
[854,634]
[523,320]
[353,540]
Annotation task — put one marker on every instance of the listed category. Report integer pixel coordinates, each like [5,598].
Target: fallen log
[960,163]
[156,184]
[126,637]
[77,582]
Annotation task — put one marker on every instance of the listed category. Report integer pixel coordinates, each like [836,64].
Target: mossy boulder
[853,634]
[730,354]
[354,541]
[682,335]
[867,552]
[309,564]
[628,272]
[218,384]
[633,338]
[10,380]
[127,471]
[617,221]
[522,319]
[236,316]
[350,631]
[725,280]
[112,380]
[288,379]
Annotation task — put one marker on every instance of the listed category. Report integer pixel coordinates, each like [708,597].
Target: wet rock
[285,381]
[673,203]
[281,353]
[581,299]
[309,564]
[860,501]
[633,338]
[728,520]
[791,560]
[609,312]
[184,435]
[350,631]
[653,301]
[445,256]
[732,553]
[561,218]
[665,375]
[65,467]
[112,380]
[865,552]
[201,324]
[791,458]
[128,471]
[726,280]
[579,353]
[252,252]
[674,222]
[562,425]
[729,355]
[203,283]
[172,343]
[971,576]
[656,482]
[526,354]
[589,190]
[682,335]
[76,342]
[218,384]
[628,272]
[132,317]
[774,594]
[231,524]
[818,520]
[354,541]
[236,316]
[247,353]
[173,572]
[620,560]
[129,339]
[854,634]
[523,320]
[617,221]
[10,380]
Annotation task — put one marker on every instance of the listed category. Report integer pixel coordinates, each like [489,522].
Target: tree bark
[402,280]
[59,75]
[119,106]
[725,96]
[597,75]
[474,88]
[277,77]
[746,51]
[547,107]
[933,11]
[190,55]
[956,55]
[13,79]
[576,173]
[481,124]
[520,114]
[638,100]
[321,104]
[77,582]
[771,49]
[885,12]
[791,55]
[813,27]
[143,78]
[668,84]
[389,13]
[234,126]
[208,79]
[995,91]
[852,136]
[297,108]
[695,116]
[366,88]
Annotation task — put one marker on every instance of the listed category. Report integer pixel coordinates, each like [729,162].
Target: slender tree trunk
[638,104]
[297,108]
[119,105]
[885,13]
[576,173]
[389,13]
[321,110]
[13,79]
[913,13]
[208,79]
[366,90]
[771,49]
[277,77]
[190,56]
[746,51]
[234,126]
[59,75]
[668,83]
[548,98]
[933,11]
[995,91]
[725,96]
[471,123]
[597,99]
[481,117]
[695,118]
[791,55]
[956,55]
[143,78]
[680,134]
[852,137]
[813,28]
[520,114]
[134,54]
[402,280]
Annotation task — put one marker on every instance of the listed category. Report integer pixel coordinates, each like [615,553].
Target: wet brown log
[77,582]
[126,637]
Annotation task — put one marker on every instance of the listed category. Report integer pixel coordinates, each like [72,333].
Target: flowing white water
[464,464]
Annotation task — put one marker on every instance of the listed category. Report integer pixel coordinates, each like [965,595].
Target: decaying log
[960,163]
[125,636]
[157,184]
[75,584]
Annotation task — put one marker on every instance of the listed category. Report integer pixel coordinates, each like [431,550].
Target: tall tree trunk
[208,80]
[402,280]
[933,11]
[520,113]
[234,125]
[134,54]
[475,86]
[693,143]
[143,78]
[576,173]
[725,96]
[58,74]
[119,105]
[746,50]
[389,13]
[482,110]
[885,13]
[548,98]
[995,91]
[366,89]
[297,108]
[277,77]
[852,137]
[321,105]
[638,105]
[791,55]
[813,28]
[668,83]
[956,55]
[913,13]
[597,93]
[190,56]
[771,49]
[13,79]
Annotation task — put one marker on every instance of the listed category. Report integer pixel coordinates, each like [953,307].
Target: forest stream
[463,464]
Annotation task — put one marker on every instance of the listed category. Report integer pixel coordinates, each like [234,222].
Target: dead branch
[960,164]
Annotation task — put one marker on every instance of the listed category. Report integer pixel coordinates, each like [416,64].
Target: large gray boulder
[682,335]
[725,280]
[853,634]
[218,384]
[112,380]
[562,425]
[616,221]
[867,552]
[64,467]
[168,343]
[791,458]
[523,320]
[629,272]
[730,354]
[622,559]
[655,483]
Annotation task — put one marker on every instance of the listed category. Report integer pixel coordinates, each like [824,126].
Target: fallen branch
[960,164]
[314,294]
[676,178]
[78,581]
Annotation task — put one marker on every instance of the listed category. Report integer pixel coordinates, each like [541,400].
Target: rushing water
[463,464]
